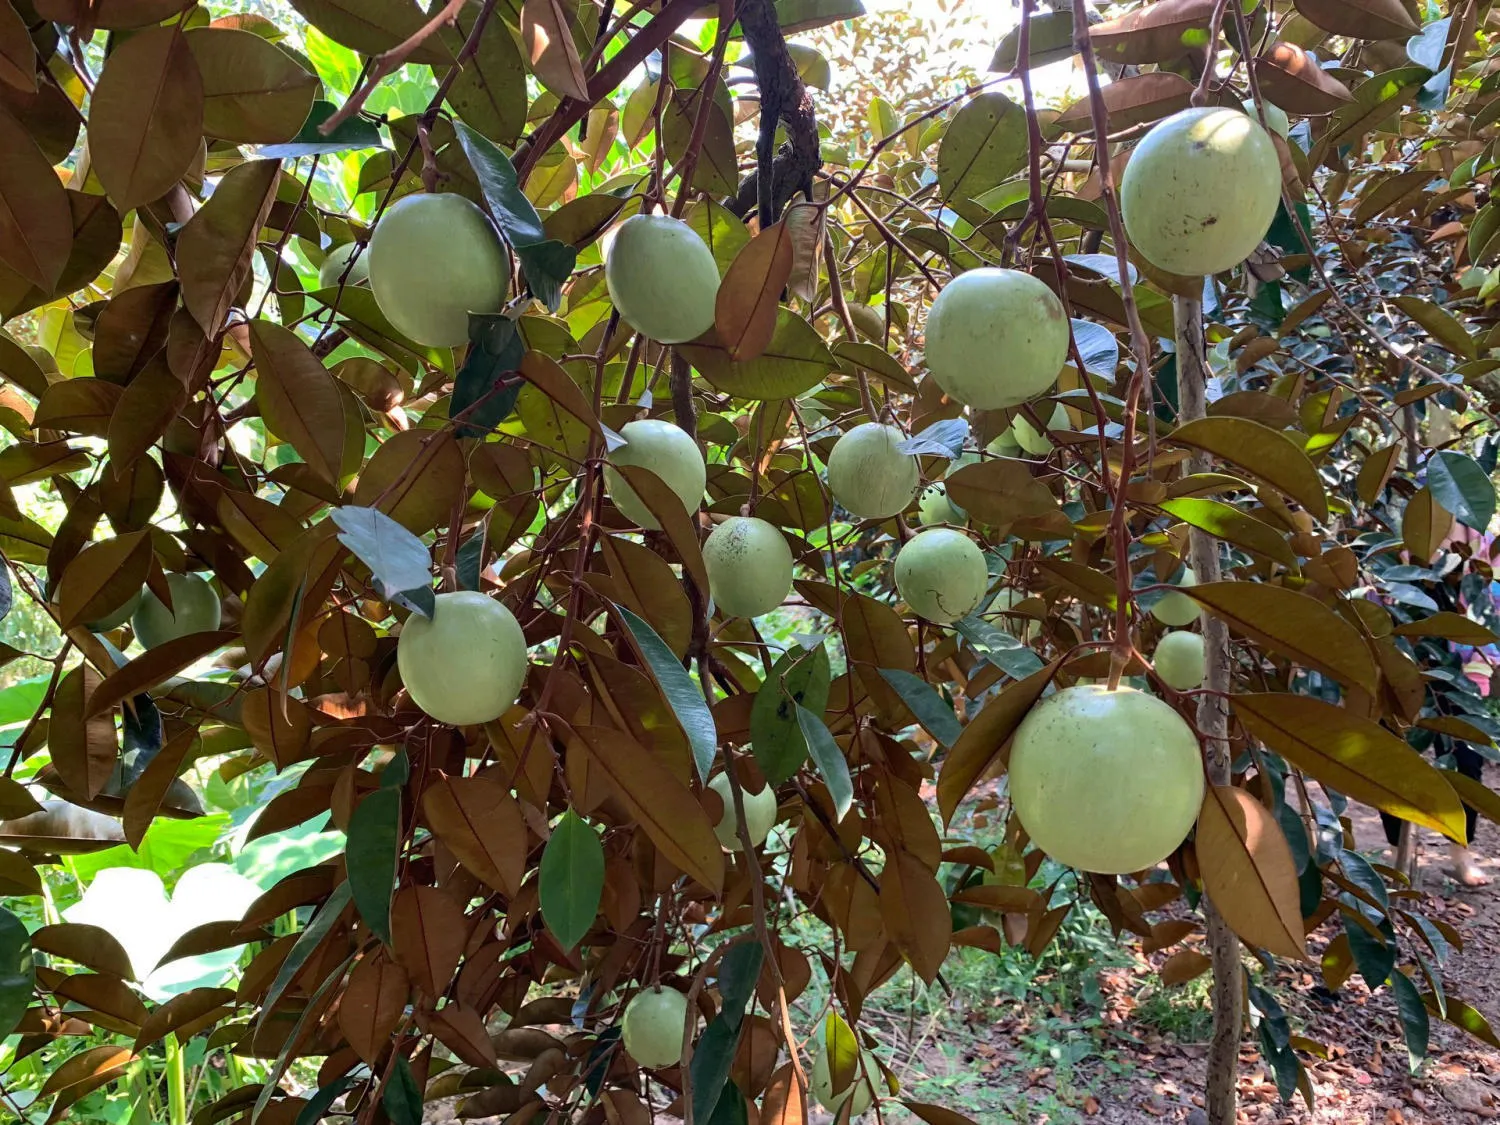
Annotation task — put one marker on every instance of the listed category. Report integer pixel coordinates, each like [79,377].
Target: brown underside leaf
[481,824]
[1291,78]
[547,36]
[1248,871]
[746,307]
[216,247]
[36,224]
[983,741]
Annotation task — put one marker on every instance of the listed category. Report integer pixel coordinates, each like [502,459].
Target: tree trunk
[1213,721]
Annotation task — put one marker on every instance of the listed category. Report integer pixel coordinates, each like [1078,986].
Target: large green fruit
[860,1092]
[941,574]
[1179,660]
[653,1027]
[434,259]
[1176,609]
[1106,781]
[1033,442]
[996,338]
[467,662]
[869,475]
[662,278]
[1200,190]
[334,265]
[1276,117]
[195,609]
[760,814]
[667,451]
[935,506]
[120,616]
[749,566]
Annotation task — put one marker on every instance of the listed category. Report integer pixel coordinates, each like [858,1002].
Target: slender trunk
[1213,721]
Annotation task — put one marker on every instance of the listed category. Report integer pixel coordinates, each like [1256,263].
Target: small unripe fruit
[1179,660]
[653,1027]
[434,259]
[120,616]
[195,609]
[665,450]
[1005,445]
[332,269]
[1276,117]
[1177,609]
[1022,628]
[1200,191]
[662,278]
[467,662]
[996,338]
[749,566]
[934,506]
[941,574]
[1027,437]
[860,1092]
[869,475]
[760,814]
[1106,781]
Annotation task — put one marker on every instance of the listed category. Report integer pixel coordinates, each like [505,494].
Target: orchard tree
[626,511]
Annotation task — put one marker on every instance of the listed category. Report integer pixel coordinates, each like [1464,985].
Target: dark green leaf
[1461,486]
[944,438]
[547,265]
[374,840]
[1415,1025]
[738,972]
[480,393]
[829,759]
[401,1098]
[470,562]
[713,1055]
[926,704]
[775,732]
[572,879]
[681,693]
[307,941]
[394,555]
[16,974]
[1373,956]
[999,647]
[317,1105]
[730,1109]
[517,217]
[355,133]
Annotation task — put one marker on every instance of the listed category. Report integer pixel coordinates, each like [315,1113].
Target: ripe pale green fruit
[749,566]
[760,814]
[434,259]
[1106,781]
[195,609]
[120,616]
[996,338]
[934,506]
[941,574]
[1276,117]
[1200,190]
[333,266]
[861,1090]
[653,1026]
[467,662]
[662,278]
[1179,660]
[667,451]
[1005,445]
[868,473]
[1039,444]
[1175,609]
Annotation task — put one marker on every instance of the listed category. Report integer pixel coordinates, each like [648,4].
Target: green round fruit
[1179,660]
[1200,191]
[1005,445]
[941,574]
[665,450]
[1175,609]
[749,566]
[653,1027]
[860,1092]
[996,338]
[467,662]
[662,278]
[760,814]
[934,506]
[332,269]
[1022,628]
[1276,117]
[1106,781]
[195,609]
[120,616]
[434,259]
[1039,444]
[869,475]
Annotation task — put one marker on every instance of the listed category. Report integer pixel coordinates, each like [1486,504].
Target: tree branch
[783,98]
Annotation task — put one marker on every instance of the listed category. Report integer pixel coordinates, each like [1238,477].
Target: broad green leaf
[829,759]
[374,840]
[1050,39]
[572,879]
[681,693]
[307,941]
[798,678]
[352,135]
[1461,486]
[1415,1024]
[1374,956]
[795,360]
[804,15]
[926,704]
[986,142]
[401,1097]
[481,393]
[1261,451]
[714,1053]
[998,647]
[394,555]
[319,1104]
[1233,526]
[16,973]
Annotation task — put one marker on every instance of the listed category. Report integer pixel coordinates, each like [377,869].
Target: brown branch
[783,97]
[388,62]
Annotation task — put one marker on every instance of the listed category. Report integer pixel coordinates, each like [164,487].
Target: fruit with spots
[996,338]
[434,259]
[665,450]
[195,609]
[332,270]
[760,814]
[869,475]
[467,662]
[662,278]
[1106,781]
[941,574]
[653,1026]
[1175,608]
[749,566]
[1200,190]
[1179,660]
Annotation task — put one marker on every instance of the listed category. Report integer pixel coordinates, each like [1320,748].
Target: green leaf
[400,1097]
[394,555]
[738,972]
[926,704]
[1465,1016]
[731,1109]
[353,134]
[1050,40]
[547,265]
[999,647]
[797,678]
[713,1055]
[1373,956]
[804,15]
[16,974]
[317,1105]
[681,692]
[1233,526]
[796,360]
[495,351]
[1461,486]
[307,941]
[829,759]
[374,842]
[1415,1024]
[572,879]
[985,143]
